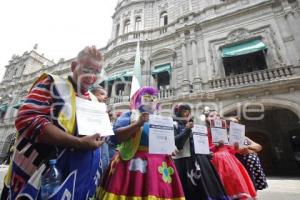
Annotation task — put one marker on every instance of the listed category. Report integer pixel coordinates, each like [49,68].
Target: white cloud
[60,27]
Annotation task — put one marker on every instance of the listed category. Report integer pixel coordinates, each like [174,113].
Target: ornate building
[241,57]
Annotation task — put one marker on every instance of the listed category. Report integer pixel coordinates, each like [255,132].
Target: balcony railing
[118,99]
[252,77]
[166,93]
[162,94]
[141,35]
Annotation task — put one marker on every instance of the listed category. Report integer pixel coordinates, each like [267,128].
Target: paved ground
[280,188]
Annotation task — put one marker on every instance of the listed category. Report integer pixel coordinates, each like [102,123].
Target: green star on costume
[166,172]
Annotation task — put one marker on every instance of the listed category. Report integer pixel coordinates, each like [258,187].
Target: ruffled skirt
[199,178]
[234,176]
[144,177]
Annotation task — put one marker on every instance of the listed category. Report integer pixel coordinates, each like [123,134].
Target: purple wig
[136,100]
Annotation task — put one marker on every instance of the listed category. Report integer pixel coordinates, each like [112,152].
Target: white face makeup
[148,103]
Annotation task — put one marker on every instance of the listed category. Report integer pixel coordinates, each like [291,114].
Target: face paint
[148,103]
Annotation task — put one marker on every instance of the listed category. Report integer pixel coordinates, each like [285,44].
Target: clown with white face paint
[148,104]
[148,176]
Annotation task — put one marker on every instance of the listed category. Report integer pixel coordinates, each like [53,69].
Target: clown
[133,172]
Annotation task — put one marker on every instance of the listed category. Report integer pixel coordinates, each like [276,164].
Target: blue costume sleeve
[122,121]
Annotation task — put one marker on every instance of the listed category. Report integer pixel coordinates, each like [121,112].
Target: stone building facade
[240,57]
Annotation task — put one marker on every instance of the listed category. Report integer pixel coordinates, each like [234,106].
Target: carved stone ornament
[163,6]
[238,35]
[126,14]
[138,11]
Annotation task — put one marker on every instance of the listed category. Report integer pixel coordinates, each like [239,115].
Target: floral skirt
[144,177]
[234,176]
[252,164]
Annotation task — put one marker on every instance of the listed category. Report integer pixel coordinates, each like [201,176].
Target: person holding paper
[47,129]
[199,177]
[133,173]
[247,155]
[235,178]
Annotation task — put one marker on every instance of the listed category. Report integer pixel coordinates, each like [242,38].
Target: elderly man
[47,129]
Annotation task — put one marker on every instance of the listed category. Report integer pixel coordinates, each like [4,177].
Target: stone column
[126,89]
[288,40]
[294,29]
[113,90]
[197,79]
[202,64]
[185,86]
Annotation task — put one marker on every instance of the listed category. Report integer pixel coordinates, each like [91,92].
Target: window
[120,87]
[138,24]
[244,57]
[126,26]
[109,90]
[161,74]
[163,19]
[245,63]
[163,80]
[117,30]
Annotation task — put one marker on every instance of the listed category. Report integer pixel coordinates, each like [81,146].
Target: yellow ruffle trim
[110,196]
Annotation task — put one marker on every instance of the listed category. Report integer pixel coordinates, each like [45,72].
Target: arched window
[126,26]
[117,30]
[163,19]
[138,24]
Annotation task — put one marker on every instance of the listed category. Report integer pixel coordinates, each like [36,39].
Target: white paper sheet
[200,138]
[92,118]
[161,135]
[218,134]
[201,145]
[236,134]
[199,129]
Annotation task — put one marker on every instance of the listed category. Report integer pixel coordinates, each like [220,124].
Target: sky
[61,28]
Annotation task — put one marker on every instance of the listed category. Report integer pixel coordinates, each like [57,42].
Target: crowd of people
[120,167]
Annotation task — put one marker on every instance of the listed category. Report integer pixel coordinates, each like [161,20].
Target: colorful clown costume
[133,173]
[145,176]
[51,100]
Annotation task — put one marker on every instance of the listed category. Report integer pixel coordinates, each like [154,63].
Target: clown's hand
[144,117]
[189,125]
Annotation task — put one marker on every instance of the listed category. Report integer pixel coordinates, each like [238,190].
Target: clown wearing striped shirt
[46,125]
